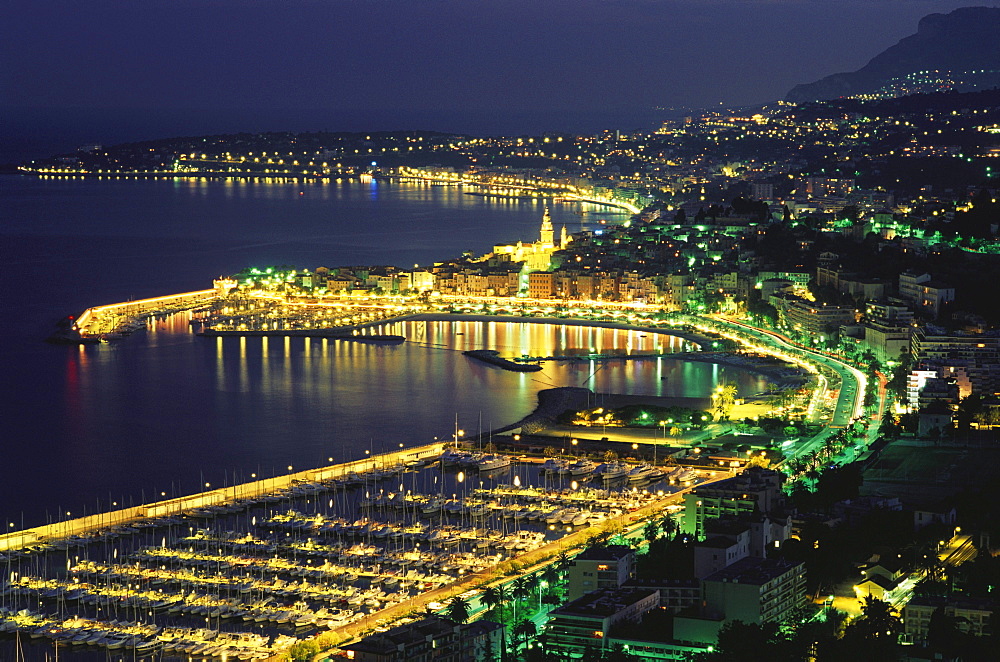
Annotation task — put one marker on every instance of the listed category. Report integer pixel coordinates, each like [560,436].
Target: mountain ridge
[960,41]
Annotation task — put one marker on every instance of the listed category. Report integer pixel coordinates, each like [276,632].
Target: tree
[494,596]
[668,526]
[304,650]
[550,574]
[458,609]
[724,398]
[749,642]
[873,635]
[520,590]
[968,409]
[943,633]
[525,630]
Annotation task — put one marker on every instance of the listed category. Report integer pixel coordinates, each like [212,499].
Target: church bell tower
[547,233]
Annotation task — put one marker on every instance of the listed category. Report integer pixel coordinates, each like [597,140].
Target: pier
[98,320]
[325,554]
[217,497]
[493,357]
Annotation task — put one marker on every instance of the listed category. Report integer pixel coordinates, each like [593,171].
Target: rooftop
[752,571]
[416,632]
[604,553]
[604,602]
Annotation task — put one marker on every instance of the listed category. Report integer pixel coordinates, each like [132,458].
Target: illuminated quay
[247,571]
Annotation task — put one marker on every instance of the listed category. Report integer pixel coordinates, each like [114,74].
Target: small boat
[492,462]
[640,472]
[612,470]
[582,468]
[553,465]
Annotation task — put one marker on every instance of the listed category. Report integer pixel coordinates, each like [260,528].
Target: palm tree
[525,629]
[550,574]
[490,597]
[668,526]
[458,609]
[520,590]
[494,596]
[533,584]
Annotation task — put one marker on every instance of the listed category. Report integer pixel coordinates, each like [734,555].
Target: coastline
[783,376]
[694,338]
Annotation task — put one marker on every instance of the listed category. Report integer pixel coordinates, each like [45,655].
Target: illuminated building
[430,638]
[581,628]
[536,256]
[598,568]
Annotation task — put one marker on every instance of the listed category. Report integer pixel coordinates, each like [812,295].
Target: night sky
[425,56]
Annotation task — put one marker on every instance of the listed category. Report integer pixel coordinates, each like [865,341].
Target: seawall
[178,505]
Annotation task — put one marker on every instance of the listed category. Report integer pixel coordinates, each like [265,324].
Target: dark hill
[964,40]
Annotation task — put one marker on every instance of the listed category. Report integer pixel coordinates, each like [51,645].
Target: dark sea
[164,411]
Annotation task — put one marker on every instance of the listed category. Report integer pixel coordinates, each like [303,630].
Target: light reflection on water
[167,410]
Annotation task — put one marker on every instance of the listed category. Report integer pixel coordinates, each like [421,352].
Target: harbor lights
[575,442]
[517,481]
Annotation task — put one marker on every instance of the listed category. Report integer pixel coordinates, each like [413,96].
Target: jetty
[493,357]
[319,553]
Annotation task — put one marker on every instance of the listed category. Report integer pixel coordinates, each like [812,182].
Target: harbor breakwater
[177,505]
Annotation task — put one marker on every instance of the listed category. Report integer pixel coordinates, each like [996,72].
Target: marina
[324,551]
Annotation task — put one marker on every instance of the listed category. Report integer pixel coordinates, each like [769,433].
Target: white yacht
[491,462]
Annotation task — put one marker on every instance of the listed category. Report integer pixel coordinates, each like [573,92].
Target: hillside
[963,42]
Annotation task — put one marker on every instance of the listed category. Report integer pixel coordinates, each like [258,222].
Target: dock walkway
[217,497]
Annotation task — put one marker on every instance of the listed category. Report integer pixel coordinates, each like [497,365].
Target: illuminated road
[850,400]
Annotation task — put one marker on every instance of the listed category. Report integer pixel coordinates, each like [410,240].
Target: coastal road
[850,399]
